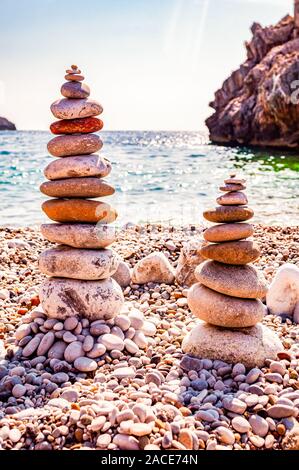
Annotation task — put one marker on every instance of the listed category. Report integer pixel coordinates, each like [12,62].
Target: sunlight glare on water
[168,177]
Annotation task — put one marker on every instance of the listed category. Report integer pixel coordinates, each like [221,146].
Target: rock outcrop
[259,103]
[6,125]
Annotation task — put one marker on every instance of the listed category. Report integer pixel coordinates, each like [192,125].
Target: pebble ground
[157,398]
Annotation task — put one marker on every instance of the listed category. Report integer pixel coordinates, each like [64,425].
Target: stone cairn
[82,316]
[229,292]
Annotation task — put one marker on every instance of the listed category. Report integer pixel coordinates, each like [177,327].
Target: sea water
[168,177]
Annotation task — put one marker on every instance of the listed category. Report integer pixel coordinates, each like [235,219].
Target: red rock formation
[259,103]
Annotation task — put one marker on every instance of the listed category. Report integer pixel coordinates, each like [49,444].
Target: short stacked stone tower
[81,266]
[228,296]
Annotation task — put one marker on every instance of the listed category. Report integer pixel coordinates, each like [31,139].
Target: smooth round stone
[79,210]
[112,342]
[57,350]
[31,347]
[15,435]
[88,343]
[75,108]
[123,322]
[78,166]
[81,144]
[76,126]
[136,318]
[97,351]
[85,364]
[250,346]
[124,373]
[77,187]
[228,232]
[259,425]
[75,90]
[223,310]
[237,252]
[73,70]
[79,235]
[68,337]
[140,339]
[233,198]
[238,281]
[233,180]
[149,328]
[73,351]
[72,77]
[232,187]
[223,214]
[123,274]
[45,344]
[241,424]
[95,300]
[70,395]
[19,391]
[70,323]
[98,328]
[279,411]
[23,330]
[131,347]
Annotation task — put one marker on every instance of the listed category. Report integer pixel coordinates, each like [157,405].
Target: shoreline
[170,397]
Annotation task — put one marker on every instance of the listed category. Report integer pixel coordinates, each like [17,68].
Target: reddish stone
[77,126]
[74,78]
[22,311]
[35,301]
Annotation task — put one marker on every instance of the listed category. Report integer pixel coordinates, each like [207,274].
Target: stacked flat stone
[81,266]
[229,292]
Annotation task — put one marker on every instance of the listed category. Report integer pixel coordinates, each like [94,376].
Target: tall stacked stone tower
[81,266]
[228,296]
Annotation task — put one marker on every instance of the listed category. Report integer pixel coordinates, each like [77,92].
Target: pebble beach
[151,395]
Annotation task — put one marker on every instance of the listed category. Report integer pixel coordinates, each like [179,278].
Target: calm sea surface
[167,177]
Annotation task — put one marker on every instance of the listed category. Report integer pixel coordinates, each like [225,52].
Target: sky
[152,64]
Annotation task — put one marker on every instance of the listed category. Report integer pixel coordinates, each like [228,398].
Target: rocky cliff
[6,125]
[259,103]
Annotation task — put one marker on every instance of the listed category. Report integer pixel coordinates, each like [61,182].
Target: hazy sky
[153,64]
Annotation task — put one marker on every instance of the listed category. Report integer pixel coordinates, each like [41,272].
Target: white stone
[79,235]
[283,293]
[4,294]
[75,263]
[62,298]
[84,364]
[250,346]
[59,403]
[153,268]
[112,342]
[123,372]
[131,347]
[23,330]
[68,108]
[122,321]
[188,260]
[140,339]
[136,318]
[2,350]
[149,328]
[78,166]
